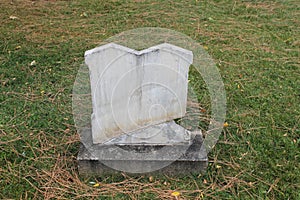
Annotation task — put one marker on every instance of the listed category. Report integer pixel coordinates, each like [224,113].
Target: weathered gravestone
[135,97]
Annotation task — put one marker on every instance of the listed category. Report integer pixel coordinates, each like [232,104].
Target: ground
[255,45]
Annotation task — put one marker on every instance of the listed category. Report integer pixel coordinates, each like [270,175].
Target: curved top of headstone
[188,55]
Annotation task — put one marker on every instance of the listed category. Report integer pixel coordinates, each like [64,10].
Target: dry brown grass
[248,40]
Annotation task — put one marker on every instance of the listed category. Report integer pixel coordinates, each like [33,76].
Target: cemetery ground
[255,45]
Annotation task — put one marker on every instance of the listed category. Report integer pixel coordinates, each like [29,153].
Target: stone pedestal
[179,156]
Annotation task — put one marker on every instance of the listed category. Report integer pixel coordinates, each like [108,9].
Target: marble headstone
[136,95]
[135,89]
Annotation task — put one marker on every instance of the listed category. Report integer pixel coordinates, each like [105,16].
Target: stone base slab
[105,159]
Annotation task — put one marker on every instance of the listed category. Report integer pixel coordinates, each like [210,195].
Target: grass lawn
[255,45]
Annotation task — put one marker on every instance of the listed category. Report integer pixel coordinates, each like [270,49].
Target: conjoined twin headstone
[136,95]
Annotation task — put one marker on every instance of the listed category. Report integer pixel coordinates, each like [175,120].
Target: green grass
[255,44]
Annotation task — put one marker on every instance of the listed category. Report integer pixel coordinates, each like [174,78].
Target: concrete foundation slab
[178,158]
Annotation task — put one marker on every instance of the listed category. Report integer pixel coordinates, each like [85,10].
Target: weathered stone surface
[135,97]
[134,89]
[100,159]
[168,133]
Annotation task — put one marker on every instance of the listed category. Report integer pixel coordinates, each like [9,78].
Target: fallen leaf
[33,63]
[84,14]
[151,179]
[226,124]
[175,194]
[96,185]
[13,17]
